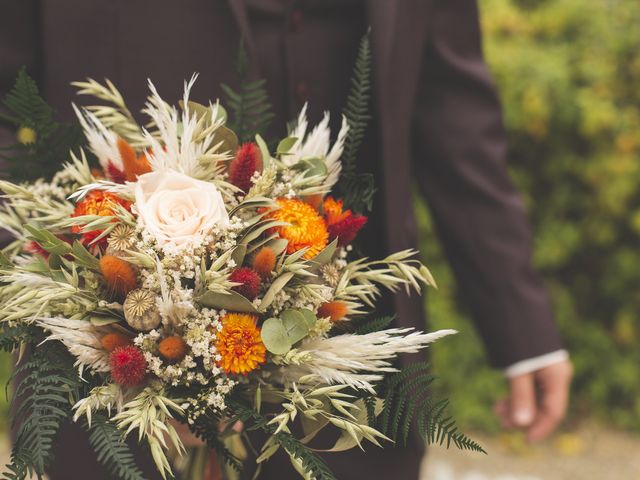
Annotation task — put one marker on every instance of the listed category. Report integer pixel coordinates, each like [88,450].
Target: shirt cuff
[536,363]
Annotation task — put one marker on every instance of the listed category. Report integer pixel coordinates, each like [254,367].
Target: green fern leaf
[408,402]
[357,189]
[250,106]
[113,452]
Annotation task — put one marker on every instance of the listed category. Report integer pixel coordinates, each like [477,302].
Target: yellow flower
[307,230]
[239,344]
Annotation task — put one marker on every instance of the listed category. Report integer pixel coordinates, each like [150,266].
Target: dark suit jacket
[438,125]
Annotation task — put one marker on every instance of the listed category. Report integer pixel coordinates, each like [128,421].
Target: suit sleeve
[460,165]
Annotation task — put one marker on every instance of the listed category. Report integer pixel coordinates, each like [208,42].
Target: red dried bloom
[343,224]
[249,281]
[248,160]
[128,366]
[114,173]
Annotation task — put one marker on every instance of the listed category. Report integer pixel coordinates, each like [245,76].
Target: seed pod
[141,311]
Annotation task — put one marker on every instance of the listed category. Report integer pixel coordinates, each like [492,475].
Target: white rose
[177,208]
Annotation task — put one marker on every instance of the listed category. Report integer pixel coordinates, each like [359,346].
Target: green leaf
[313,166]
[48,241]
[295,324]
[277,285]
[232,301]
[264,151]
[326,254]
[285,145]
[84,257]
[274,336]
[309,317]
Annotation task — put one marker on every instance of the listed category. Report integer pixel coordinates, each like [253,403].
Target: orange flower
[97,202]
[119,275]
[341,224]
[114,340]
[264,261]
[333,310]
[307,229]
[173,348]
[239,344]
[134,165]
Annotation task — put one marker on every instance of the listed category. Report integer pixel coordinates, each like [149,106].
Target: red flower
[114,173]
[246,163]
[342,224]
[128,366]
[249,281]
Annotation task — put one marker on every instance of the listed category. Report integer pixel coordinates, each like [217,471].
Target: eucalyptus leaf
[100,321]
[239,253]
[228,138]
[326,254]
[261,228]
[314,166]
[295,325]
[309,317]
[274,336]
[278,245]
[264,150]
[285,145]
[228,301]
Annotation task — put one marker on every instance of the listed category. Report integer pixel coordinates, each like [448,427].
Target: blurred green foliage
[568,72]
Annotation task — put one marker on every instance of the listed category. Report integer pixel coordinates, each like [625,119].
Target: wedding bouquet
[192,278]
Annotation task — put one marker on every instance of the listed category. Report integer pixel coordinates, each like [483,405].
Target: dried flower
[239,344]
[114,340]
[342,224]
[122,237]
[119,275]
[133,165]
[306,230]
[173,348]
[248,160]
[128,366]
[333,310]
[141,311]
[264,262]
[249,281]
[97,202]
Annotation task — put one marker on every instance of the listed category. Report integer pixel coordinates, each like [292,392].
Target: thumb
[523,400]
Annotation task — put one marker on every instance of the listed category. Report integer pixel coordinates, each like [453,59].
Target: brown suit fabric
[438,125]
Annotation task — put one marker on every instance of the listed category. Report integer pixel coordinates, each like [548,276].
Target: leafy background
[568,73]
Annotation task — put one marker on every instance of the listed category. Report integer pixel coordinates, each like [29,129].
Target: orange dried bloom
[173,348]
[239,344]
[265,261]
[343,225]
[134,165]
[114,340]
[333,310]
[97,202]
[333,210]
[119,275]
[307,229]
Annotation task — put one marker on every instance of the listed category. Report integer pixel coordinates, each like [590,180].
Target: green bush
[568,72]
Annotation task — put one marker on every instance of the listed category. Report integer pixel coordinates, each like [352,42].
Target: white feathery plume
[176,145]
[102,141]
[317,144]
[357,360]
[82,339]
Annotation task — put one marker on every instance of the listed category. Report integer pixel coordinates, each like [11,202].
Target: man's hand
[537,401]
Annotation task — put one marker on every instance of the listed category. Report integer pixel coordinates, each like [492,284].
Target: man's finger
[554,386]
[523,400]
